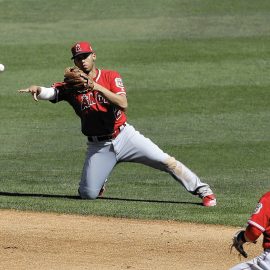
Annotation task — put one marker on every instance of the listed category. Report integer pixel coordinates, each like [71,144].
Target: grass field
[197,78]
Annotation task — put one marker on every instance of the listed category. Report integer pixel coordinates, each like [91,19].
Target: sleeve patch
[258,208]
[119,82]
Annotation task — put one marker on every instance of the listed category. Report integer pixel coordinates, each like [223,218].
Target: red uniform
[261,219]
[98,116]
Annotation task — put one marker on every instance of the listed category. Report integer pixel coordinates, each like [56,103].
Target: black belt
[100,138]
[106,137]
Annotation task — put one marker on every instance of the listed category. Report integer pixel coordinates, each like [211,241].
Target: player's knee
[174,167]
[170,163]
[88,194]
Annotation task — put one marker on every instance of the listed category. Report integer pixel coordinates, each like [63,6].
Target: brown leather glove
[238,241]
[78,81]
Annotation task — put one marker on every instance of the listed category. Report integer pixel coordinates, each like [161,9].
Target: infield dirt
[55,241]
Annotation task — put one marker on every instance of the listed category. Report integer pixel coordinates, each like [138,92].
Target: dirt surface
[52,241]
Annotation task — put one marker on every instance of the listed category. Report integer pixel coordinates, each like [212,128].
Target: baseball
[2,67]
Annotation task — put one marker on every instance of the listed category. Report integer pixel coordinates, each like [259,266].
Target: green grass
[197,76]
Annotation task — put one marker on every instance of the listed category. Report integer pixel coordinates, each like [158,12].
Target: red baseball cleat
[209,200]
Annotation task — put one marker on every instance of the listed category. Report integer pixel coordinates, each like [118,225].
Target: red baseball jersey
[261,218]
[98,115]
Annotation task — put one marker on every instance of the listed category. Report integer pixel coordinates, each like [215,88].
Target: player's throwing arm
[34,90]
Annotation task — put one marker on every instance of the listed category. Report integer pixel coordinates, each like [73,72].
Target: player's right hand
[33,89]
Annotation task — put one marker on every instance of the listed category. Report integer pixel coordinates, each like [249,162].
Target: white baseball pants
[130,146]
[261,262]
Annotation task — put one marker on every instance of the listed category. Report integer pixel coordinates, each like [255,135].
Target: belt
[106,137]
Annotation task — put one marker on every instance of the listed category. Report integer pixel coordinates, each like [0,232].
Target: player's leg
[190,181]
[250,265]
[133,146]
[242,266]
[99,162]
[261,262]
[264,260]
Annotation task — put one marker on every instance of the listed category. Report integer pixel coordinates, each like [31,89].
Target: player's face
[85,61]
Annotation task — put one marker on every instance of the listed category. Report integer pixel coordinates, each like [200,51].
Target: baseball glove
[78,81]
[238,241]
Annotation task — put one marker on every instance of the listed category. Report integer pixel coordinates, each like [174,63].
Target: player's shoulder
[114,78]
[109,72]
[266,197]
[263,203]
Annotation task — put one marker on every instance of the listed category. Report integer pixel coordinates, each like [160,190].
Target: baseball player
[100,101]
[259,223]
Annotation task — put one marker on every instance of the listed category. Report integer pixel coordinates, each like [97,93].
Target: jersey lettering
[85,102]
[101,99]
[117,113]
[90,99]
